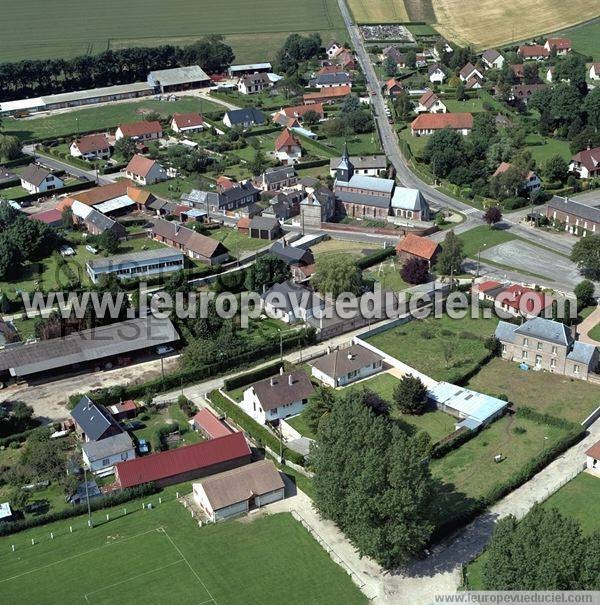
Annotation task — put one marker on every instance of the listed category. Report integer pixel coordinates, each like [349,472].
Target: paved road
[593,319]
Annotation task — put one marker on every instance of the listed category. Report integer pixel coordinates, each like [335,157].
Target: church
[368,197]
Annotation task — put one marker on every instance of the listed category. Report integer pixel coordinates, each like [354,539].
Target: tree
[337,274]
[125,148]
[461,94]
[571,69]
[311,118]
[445,150]
[258,162]
[109,241]
[556,169]
[390,67]
[211,53]
[415,271]
[320,404]
[586,255]
[530,73]
[410,59]
[404,107]
[410,395]
[492,216]
[10,256]
[10,148]
[373,481]
[584,292]
[450,258]
[67,218]
[44,457]
[266,271]
[591,105]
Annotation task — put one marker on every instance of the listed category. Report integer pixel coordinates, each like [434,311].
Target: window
[553,350]
[539,346]
[503,349]
[553,362]
[524,354]
[124,456]
[576,369]
[105,462]
[526,342]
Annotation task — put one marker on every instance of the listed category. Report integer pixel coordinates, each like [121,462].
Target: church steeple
[345,169]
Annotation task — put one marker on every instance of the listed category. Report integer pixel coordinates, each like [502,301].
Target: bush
[375,257]
[186,406]
[253,376]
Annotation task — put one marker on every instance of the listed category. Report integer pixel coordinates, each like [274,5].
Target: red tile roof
[418,246]
[47,216]
[140,165]
[137,129]
[589,158]
[188,120]
[210,424]
[298,111]
[225,183]
[97,195]
[328,93]
[163,465]
[485,286]
[329,69]
[594,451]
[559,43]
[428,99]
[91,143]
[243,223]
[533,50]
[436,121]
[286,139]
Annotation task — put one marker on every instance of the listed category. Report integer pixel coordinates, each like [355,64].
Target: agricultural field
[545,392]
[254,30]
[585,38]
[444,348]
[162,556]
[378,11]
[499,23]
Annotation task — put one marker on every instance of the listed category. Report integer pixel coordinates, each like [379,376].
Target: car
[91,249]
[164,350]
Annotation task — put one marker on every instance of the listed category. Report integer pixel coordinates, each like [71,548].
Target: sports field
[378,11]
[71,28]
[486,23]
[161,556]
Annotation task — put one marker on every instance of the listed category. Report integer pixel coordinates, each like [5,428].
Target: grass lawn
[444,348]
[168,415]
[25,327]
[579,499]
[546,392]
[337,246]
[585,38]
[100,118]
[550,147]
[417,144]
[299,423]
[237,242]
[475,239]
[473,105]
[162,556]
[387,273]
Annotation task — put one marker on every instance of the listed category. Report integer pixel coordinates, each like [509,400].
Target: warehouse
[98,347]
[178,78]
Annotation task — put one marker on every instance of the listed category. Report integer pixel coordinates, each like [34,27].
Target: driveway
[592,320]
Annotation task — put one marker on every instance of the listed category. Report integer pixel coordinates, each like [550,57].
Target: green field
[444,349]
[475,240]
[237,243]
[585,38]
[254,30]
[161,556]
[387,274]
[545,392]
[550,147]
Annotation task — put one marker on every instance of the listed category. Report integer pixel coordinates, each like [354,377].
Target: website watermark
[519,596]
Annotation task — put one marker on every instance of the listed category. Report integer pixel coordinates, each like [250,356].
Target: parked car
[91,249]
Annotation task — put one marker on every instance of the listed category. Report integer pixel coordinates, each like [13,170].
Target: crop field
[162,556]
[498,23]
[585,38]
[70,29]
[378,11]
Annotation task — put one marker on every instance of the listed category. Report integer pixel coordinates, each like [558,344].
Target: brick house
[577,219]
[415,246]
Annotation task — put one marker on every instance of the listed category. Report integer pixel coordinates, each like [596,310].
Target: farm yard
[499,23]
[251,28]
[161,555]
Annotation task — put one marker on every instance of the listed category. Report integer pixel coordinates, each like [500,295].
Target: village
[391,164]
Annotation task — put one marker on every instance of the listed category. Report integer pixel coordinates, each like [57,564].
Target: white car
[164,350]
[91,249]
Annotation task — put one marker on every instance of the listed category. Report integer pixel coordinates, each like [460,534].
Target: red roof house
[427,123]
[514,298]
[52,217]
[187,122]
[185,463]
[206,422]
[415,246]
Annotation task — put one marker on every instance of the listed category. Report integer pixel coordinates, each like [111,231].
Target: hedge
[251,376]
[107,501]
[312,164]
[67,189]
[375,257]
[257,431]
[20,161]
[19,437]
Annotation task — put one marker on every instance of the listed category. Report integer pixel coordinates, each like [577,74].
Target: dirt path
[587,324]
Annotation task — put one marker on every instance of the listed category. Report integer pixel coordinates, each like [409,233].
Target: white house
[287,148]
[436,74]
[290,302]
[562,46]
[594,71]
[145,171]
[343,366]
[91,147]
[430,103]
[277,397]
[593,457]
[35,179]
[187,122]
[333,49]
[140,131]
[492,59]
[101,456]
[253,83]
[235,492]
[469,71]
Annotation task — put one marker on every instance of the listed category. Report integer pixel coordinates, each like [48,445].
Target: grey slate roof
[362,162]
[546,329]
[505,331]
[112,262]
[93,419]
[289,296]
[409,199]
[264,222]
[329,79]
[582,352]
[281,173]
[98,450]
[583,211]
[246,115]
[366,199]
[99,220]
[178,75]
[35,174]
[343,361]
[292,254]
[281,392]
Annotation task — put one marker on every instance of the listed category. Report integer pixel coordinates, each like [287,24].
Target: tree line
[29,78]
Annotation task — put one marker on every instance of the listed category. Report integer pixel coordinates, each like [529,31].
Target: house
[287,147]
[184,123]
[145,171]
[531,182]
[93,422]
[409,204]
[533,52]
[393,88]
[428,123]
[518,70]
[523,92]
[193,244]
[395,54]
[468,71]
[36,179]
[430,103]
[543,344]
[331,80]
[333,49]
[140,131]
[368,165]
[124,410]
[474,83]
[514,299]
[345,59]
[52,217]
[240,197]
[178,78]
[328,69]
[244,118]
[91,147]
[254,83]
[292,255]
[594,71]
[492,59]
[318,207]
[586,163]
[263,227]
[100,457]
[249,68]
[209,425]
[6,514]
[297,112]
[185,463]
[290,302]
[343,366]
[562,46]
[576,218]
[415,246]
[327,95]
[136,265]
[278,397]
[283,206]
[239,490]
[277,178]
[436,74]
[592,455]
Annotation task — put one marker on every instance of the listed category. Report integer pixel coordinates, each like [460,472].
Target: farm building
[473,409]
[343,366]
[178,78]
[185,463]
[327,95]
[293,255]
[100,457]
[94,221]
[264,227]
[124,410]
[249,68]
[52,217]
[237,491]
[209,425]
[137,264]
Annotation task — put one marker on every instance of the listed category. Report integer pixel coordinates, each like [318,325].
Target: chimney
[350,356]
[290,380]
[177,226]
[272,381]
